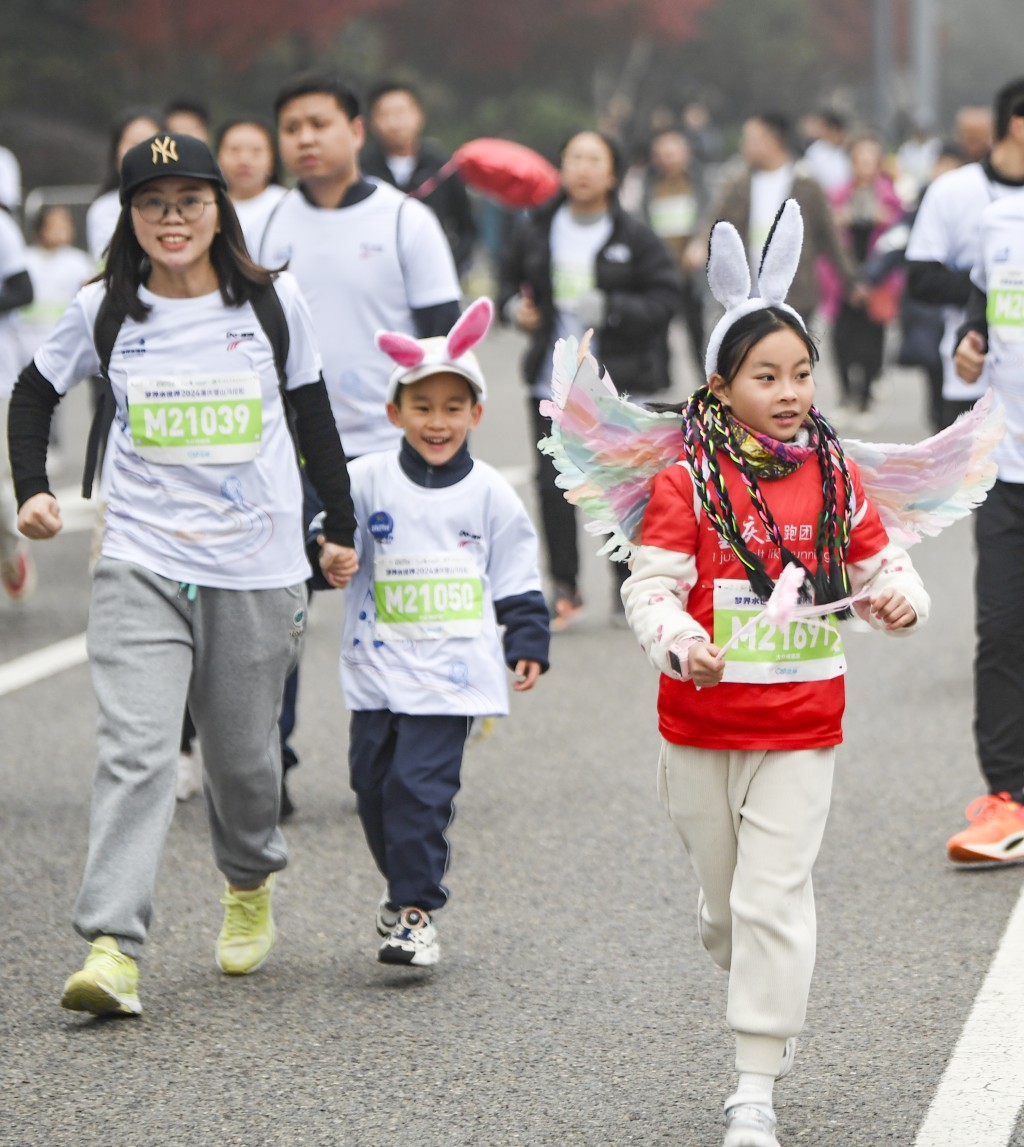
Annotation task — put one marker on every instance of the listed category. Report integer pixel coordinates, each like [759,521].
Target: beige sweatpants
[752,824]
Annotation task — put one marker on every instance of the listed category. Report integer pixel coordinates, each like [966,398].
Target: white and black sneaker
[749,1124]
[413,940]
[387,917]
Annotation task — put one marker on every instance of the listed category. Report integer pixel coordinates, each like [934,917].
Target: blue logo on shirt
[381,525]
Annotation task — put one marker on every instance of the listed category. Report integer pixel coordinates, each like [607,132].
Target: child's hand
[527,673]
[528,317]
[894,609]
[706,667]
[39,517]
[338,564]
[969,358]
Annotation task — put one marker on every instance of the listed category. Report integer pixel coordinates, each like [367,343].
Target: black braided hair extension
[833,582]
[706,435]
[702,452]
[720,427]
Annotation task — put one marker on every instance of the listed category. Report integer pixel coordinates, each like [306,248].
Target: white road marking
[33,667]
[980,1094]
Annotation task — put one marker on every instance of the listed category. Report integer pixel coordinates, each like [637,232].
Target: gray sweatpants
[752,823]
[228,652]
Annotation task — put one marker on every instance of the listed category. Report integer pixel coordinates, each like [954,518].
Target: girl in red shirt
[746,763]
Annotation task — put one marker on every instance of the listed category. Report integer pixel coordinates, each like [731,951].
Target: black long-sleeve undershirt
[936,283]
[15,291]
[320,444]
[33,402]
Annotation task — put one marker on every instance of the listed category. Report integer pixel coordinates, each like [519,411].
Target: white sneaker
[413,940]
[190,776]
[788,1055]
[749,1124]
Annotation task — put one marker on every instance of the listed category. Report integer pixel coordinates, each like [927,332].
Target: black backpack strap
[109,320]
[266,302]
[270,314]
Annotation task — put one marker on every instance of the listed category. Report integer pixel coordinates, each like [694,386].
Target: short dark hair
[190,107]
[833,119]
[386,88]
[1009,102]
[778,124]
[260,125]
[318,83]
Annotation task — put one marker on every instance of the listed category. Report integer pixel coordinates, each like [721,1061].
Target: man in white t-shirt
[943,245]
[367,258]
[398,154]
[992,341]
[751,199]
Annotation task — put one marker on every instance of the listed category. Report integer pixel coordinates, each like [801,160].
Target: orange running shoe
[996,834]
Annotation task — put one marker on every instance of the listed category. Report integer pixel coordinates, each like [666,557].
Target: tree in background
[532,70]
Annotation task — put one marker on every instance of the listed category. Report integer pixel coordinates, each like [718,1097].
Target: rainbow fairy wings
[921,489]
[608,450]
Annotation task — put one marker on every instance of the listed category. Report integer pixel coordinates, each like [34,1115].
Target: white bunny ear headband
[420,358]
[729,274]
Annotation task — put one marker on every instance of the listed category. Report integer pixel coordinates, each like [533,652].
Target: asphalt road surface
[573,1005]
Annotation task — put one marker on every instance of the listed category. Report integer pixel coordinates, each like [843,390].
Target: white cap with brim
[465,365]
[443,354]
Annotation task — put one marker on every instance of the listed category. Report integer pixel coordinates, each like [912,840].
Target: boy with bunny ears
[448,559]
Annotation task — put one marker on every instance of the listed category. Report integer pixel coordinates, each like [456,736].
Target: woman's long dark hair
[128,266]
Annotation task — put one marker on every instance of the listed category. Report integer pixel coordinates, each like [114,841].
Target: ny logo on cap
[165,149]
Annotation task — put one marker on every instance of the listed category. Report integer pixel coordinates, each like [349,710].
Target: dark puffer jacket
[636,272]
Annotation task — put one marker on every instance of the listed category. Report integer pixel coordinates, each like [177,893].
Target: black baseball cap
[168,154]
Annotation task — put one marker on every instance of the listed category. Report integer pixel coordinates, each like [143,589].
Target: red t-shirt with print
[735,715]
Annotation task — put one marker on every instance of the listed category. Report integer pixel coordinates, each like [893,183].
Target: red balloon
[513,174]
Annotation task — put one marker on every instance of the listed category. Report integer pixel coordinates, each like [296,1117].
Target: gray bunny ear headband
[729,274]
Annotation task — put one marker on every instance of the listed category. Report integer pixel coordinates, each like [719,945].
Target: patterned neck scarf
[768,457]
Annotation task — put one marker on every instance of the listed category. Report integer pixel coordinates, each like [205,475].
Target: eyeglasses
[153,209]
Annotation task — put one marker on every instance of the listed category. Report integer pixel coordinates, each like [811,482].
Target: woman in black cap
[200,590]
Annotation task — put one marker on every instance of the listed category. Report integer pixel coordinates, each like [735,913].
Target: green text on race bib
[196,423]
[429,600]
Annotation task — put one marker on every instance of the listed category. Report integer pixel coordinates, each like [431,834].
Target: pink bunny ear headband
[729,275]
[419,358]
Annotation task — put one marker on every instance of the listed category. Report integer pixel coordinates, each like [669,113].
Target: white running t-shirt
[999,272]
[947,230]
[57,276]
[197,367]
[420,633]
[574,250]
[12,262]
[362,268]
[253,214]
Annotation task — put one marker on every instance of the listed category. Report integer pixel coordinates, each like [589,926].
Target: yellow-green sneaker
[247,936]
[106,985]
